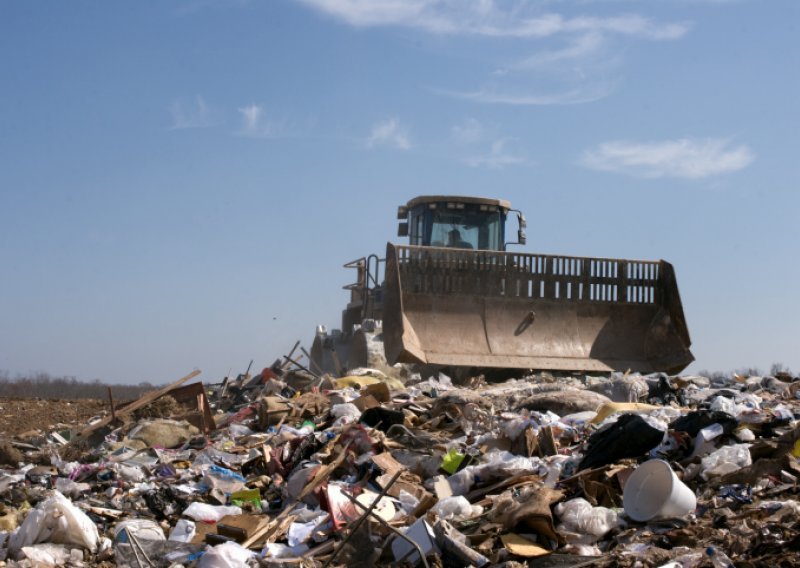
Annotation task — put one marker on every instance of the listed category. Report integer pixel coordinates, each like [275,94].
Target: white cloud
[191,115]
[388,132]
[473,134]
[497,158]
[468,131]
[581,70]
[571,97]
[583,46]
[681,158]
[487,18]
[254,122]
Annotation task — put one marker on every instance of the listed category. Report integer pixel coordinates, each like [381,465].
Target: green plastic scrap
[452,460]
[253,496]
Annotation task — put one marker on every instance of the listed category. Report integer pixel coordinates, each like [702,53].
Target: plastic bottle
[711,432]
[718,558]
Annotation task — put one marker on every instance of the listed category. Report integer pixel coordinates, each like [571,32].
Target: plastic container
[653,491]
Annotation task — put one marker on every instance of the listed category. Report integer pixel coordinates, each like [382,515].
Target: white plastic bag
[497,464]
[210,513]
[462,481]
[456,508]
[131,473]
[70,488]
[141,529]
[299,533]
[345,413]
[55,520]
[578,515]
[226,555]
[223,479]
[726,405]
[42,555]
[408,502]
[279,550]
[183,531]
[727,459]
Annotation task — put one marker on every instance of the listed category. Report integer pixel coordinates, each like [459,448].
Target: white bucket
[653,491]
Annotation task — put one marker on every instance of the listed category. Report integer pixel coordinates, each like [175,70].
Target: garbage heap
[389,469]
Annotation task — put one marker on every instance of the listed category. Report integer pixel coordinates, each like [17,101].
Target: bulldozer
[456,297]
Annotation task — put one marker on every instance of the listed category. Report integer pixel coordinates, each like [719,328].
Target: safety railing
[429,270]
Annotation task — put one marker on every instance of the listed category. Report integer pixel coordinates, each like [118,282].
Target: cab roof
[422,199]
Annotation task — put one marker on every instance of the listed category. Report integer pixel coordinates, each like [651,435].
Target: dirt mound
[9,455]
[164,407]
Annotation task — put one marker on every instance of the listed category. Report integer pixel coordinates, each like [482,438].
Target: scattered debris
[383,468]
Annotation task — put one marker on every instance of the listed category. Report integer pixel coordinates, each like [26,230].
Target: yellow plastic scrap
[360,381]
[355,381]
[607,409]
[246,496]
[521,546]
[796,449]
[9,520]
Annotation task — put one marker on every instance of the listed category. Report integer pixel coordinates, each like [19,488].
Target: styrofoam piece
[421,533]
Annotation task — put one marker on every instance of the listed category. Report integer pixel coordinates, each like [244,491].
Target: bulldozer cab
[470,223]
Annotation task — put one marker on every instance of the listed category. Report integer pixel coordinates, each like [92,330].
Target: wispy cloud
[571,97]
[575,59]
[579,47]
[388,132]
[468,131]
[498,157]
[194,114]
[682,158]
[487,18]
[254,122]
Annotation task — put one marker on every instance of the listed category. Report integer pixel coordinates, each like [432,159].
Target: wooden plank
[111,404]
[517,479]
[139,403]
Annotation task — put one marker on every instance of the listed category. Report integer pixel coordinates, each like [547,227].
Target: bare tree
[779,369]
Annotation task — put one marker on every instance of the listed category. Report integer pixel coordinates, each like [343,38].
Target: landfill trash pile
[387,468]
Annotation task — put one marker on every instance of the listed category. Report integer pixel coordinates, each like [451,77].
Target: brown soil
[19,415]
[163,407]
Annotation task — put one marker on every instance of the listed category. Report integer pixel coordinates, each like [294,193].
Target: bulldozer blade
[492,309]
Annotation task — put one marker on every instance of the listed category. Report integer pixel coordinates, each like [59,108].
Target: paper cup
[653,491]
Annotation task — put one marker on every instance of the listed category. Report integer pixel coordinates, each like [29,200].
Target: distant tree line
[42,385]
[774,370]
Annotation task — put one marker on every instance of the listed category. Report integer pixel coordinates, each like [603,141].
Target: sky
[181,182]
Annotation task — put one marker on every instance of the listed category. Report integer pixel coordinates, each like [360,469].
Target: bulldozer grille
[538,276]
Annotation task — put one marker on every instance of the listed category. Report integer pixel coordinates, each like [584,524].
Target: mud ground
[20,415]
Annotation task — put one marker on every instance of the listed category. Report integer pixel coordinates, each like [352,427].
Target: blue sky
[180,183]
